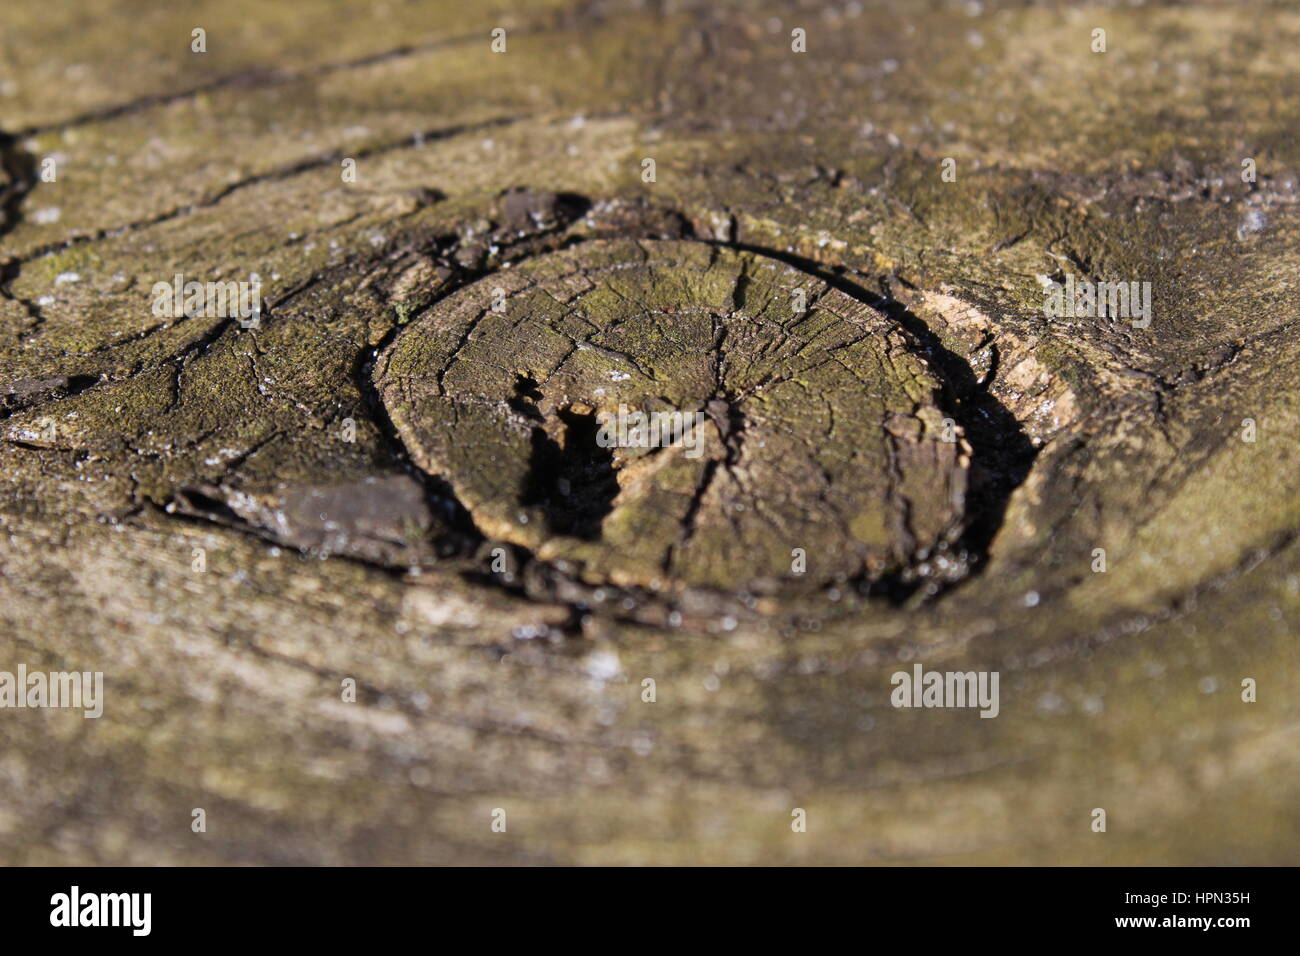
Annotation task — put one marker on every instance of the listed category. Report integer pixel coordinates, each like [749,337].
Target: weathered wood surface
[130,440]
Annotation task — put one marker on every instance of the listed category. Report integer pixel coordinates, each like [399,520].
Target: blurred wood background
[129,441]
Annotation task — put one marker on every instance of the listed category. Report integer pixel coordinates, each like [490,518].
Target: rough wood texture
[814,421]
[347,536]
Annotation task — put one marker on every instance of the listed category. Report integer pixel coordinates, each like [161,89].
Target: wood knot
[673,416]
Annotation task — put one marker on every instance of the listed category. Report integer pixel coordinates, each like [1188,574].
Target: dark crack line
[255,78]
[19,168]
[275,175]
[692,514]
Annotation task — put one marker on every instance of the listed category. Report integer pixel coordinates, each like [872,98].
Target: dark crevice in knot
[572,483]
